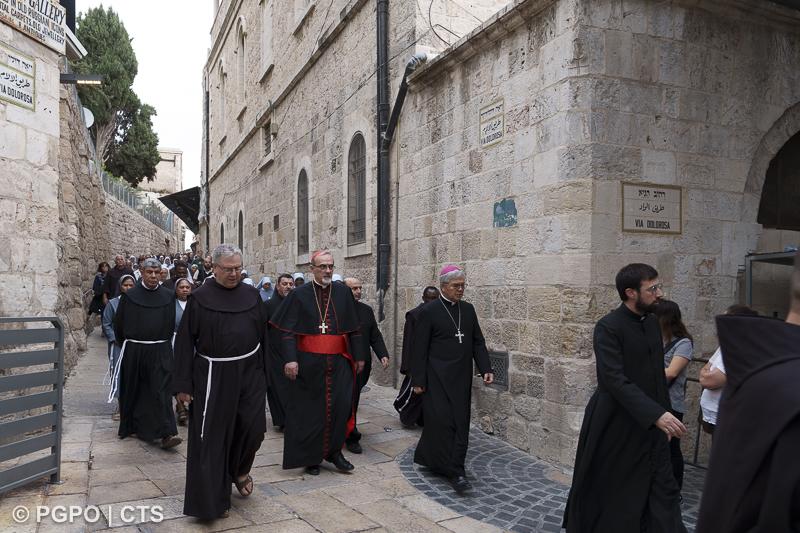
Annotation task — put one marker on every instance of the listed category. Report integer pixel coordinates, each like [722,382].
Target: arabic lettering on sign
[491,124]
[651,208]
[17,78]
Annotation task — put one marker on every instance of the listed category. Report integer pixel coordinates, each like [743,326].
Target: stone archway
[770,284]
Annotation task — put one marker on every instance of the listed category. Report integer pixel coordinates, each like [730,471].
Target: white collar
[442,296]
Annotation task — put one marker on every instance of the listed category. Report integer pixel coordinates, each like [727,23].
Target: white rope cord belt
[211,361]
[118,366]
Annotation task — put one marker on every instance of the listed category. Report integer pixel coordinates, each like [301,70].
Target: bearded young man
[623,481]
[319,322]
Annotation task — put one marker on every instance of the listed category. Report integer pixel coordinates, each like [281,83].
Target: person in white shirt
[713,379]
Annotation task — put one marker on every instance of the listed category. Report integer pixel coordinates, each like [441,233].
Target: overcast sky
[171,40]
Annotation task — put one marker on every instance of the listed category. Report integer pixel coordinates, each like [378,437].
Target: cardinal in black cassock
[447,338]
[222,339]
[753,480]
[144,325]
[623,480]
[321,355]
[371,340]
[276,380]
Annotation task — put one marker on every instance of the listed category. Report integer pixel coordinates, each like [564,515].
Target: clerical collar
[632,314]
[149,289]
[446,300]
[320,285]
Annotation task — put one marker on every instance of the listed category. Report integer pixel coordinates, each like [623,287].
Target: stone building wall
[700,96]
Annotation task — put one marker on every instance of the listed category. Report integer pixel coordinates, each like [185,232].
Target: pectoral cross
[459,335]
[324,328]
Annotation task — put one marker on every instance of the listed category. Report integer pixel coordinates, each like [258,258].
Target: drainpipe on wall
[386,128]
[208,187]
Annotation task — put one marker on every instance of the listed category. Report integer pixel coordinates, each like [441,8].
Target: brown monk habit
[319,403]
[221,323]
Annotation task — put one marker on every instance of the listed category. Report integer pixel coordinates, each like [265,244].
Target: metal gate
[30,421]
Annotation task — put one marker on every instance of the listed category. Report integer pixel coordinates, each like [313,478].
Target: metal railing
[30,420]
[139,202]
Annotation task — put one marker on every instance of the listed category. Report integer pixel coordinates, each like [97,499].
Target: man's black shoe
[340,462]
[460,484]
[312,470]
[354,447]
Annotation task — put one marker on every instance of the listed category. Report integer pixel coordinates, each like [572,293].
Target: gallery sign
[650,208]
[42,20]
[17,78]
[491,124]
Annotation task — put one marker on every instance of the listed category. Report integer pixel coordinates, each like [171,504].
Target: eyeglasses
[655,288]
[324,267]
[458,286]
[231,270]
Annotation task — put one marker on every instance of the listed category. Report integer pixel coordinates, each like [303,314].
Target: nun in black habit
[321,357]
[753,480]
[219,355]
[447,338]
[143,327]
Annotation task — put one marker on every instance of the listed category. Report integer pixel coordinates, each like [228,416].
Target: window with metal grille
[302,213]
[260,229]
[276,223]
[499,362]
[241,231]
[357,191]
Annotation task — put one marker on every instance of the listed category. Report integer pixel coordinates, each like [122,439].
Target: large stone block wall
[699,96]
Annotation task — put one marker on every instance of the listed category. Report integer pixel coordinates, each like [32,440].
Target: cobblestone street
[513,491]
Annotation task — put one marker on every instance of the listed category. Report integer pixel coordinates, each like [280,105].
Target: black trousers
[675,454]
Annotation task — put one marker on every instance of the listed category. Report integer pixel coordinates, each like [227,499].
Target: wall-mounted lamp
[81,79]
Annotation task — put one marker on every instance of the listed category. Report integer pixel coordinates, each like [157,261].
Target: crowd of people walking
[196,333]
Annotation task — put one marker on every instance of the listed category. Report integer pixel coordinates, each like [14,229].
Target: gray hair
[450,276]
[151,262]
[225,250]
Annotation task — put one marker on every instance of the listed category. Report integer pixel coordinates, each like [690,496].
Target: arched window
[241,62]
[302,213]
[357,191]
[221,233]
[221,86]
[241,231]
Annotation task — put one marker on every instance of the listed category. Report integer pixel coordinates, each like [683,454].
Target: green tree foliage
[120,118]
[134,153]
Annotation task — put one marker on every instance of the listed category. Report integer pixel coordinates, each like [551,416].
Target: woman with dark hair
[678,349]
[96,305]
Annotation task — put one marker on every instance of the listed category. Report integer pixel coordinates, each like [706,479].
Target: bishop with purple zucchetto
[447,338]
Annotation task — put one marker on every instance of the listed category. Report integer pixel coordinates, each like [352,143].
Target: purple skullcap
[447,269]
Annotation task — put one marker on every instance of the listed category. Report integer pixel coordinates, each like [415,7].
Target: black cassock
[623,480]
[370,339]
[221,323]
[753,480]
[408,337]
[276,380]
[443,366]
[319,403]
[145,402]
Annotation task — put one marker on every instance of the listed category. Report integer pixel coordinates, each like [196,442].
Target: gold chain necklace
[323,327]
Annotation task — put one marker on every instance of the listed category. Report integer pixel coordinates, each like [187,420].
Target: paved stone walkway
[103,471]
[516,491]
[123,481]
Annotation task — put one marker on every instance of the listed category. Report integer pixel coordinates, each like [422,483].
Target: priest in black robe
[447,338]
[220,373]
[623,480]
[276,380]
[322,356]
[429,294]
[753,480]
[144,327]
[371,340]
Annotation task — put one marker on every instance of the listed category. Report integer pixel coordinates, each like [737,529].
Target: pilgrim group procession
[196,342]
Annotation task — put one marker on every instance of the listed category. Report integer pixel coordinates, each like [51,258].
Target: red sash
[331,345]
